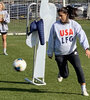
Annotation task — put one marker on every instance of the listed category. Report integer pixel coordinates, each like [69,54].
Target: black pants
[73,58]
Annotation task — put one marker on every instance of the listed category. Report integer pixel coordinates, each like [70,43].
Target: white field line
[16,34]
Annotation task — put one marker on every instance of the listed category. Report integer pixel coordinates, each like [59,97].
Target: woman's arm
[83,39]
[6,17]
[51,43]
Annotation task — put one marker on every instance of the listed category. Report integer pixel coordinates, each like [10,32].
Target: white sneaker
[5,53]
[60,79]
[84,93]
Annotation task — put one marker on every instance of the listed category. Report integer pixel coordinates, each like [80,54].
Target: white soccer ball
[19,64]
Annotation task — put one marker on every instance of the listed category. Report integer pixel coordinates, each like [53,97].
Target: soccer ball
[19,64]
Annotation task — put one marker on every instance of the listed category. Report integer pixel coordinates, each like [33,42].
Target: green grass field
[14,87]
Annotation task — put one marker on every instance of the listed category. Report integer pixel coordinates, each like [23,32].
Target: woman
[62,41]
[4,20]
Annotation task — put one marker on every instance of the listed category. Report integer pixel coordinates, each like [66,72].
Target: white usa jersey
[62,39]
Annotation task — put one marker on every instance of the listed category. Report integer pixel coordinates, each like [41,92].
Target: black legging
[73,58]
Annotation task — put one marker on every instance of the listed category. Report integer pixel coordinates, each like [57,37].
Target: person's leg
[60,78]
[62,66]
[75,61]
[4,37]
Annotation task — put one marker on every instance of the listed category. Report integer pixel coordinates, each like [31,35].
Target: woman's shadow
[32,90]
[1,53]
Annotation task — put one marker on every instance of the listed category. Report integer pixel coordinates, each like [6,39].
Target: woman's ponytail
[68,10]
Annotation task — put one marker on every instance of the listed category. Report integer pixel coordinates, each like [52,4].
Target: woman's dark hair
[68,10]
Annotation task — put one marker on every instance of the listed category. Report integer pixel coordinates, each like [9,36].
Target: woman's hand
[88,53]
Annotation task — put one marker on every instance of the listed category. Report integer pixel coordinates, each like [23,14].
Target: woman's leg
[62,66]
[4,37]
[75,61]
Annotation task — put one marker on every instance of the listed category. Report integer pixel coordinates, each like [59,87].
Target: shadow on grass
[35,91]
[14,82]
[2,54]
[30,90]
